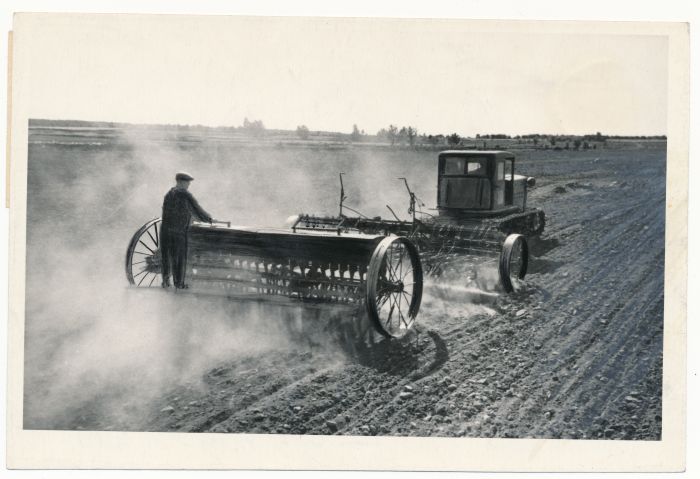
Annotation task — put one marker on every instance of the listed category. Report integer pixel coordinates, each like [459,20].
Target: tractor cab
[480,183]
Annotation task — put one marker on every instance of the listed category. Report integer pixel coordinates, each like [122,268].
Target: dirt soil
[576,353]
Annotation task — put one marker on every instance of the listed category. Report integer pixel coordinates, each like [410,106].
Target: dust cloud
[98,353]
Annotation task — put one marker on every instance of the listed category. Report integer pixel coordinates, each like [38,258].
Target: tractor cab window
[500,170]
[454,165]
[476,168]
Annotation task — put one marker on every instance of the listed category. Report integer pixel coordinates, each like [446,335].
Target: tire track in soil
[589,347]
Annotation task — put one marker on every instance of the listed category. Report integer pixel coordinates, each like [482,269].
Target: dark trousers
[173,250]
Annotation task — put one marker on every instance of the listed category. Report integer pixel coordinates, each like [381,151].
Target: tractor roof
[496,153]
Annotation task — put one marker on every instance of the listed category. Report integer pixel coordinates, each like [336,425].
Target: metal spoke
[386,298]
[152,238]
[140,273]
[391,311]
[145,254]
[383,300]
[398,307]
[154,278]
[402,254]
[394,269]
[149,249]
[141,280]
[139,262]
[403,319]
[397,302]
[388,272]
[390,263]
[383,296]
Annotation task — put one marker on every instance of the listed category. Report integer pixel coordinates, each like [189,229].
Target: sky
[328,74]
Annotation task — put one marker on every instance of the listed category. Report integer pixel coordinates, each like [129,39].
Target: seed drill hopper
[379,276]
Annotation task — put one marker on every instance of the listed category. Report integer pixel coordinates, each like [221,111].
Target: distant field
[98,133]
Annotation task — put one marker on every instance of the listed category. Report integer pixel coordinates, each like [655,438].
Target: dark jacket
[179,206]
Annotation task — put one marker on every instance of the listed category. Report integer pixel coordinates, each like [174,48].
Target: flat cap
[183,176]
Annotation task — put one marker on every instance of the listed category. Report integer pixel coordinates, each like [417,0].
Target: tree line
[409,135]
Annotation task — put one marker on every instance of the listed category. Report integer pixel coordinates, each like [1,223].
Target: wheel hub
[153,263]
[393,287]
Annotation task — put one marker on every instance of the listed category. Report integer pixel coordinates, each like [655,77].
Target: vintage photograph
[379,228]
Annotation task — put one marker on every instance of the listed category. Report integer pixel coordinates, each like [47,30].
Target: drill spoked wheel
[394,286]
[513,261]
[143,260]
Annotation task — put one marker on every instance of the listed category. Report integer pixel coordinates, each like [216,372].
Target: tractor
[482,218]
[482,187]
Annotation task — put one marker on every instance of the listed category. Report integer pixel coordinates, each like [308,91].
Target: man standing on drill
[179,207]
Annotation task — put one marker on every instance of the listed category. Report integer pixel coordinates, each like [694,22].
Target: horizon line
[311,130]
